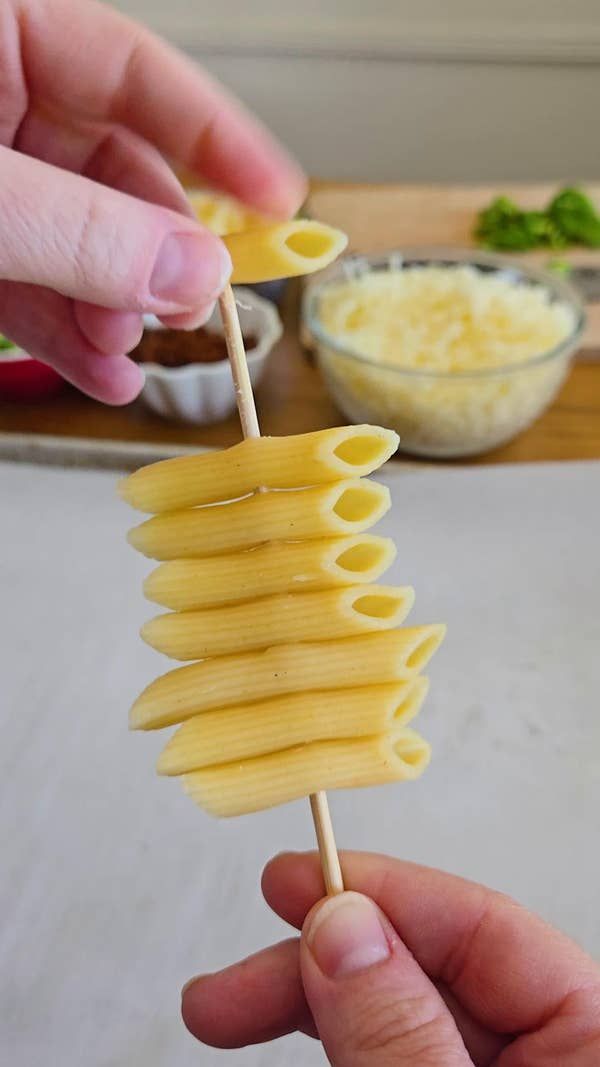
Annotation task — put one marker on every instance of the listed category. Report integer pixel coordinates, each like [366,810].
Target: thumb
[371,1002]
[88,241]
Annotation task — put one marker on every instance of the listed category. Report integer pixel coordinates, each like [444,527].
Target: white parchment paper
[114,888]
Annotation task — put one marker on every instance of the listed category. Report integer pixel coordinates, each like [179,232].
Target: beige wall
[395,89]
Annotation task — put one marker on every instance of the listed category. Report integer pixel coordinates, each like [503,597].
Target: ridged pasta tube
[293,462]
[283,250]
[276,620]
[252,785]
[347,507]
[387,656]
[274,567]
[256,729]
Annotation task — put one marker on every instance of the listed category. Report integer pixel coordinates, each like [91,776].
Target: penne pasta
[274,567]
[256,729]
[303,681]
[223,214]
[276,620]
[283,250]
[273,462]
[346,507]
[386,656]
[252,785]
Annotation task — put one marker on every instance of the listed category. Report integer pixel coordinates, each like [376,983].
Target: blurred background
[400,90]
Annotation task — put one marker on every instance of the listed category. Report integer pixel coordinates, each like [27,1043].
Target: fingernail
[189,320]
[346,936]
[201,318]
[190,269]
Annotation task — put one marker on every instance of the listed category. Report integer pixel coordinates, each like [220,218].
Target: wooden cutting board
[382,217]
[72,429]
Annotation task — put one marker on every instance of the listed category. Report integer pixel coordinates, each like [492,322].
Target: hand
[95,229]
[438,972]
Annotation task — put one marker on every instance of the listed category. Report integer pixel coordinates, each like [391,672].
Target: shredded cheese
[443,318]
[447,323]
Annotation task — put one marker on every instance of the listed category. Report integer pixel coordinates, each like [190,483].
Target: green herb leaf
[504,226]
[5,343]
[570,218]
[575,216]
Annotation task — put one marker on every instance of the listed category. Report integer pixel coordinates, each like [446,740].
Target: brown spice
[178,348]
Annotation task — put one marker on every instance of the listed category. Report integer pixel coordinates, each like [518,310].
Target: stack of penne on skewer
[303,681]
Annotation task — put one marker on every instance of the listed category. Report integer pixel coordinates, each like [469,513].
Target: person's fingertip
[271,868]
[115,380]
[197,1013]
[294,194]
[258,999]
[189,320]
[281,857]
[190,271]
[295,877]
[190,982]
[107,330]
[367,992]
[346,934]
[280,197]
[279,184]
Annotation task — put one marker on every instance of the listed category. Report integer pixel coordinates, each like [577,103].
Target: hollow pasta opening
[358,451]
[405,709]
[410,702]
[361,558]
[423,652]
[378,605]
[413,751]
[312,244]
[357,504]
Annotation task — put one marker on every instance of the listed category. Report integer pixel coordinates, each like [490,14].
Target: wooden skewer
[330,862]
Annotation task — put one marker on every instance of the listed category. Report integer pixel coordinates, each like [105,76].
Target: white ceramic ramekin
[203,392]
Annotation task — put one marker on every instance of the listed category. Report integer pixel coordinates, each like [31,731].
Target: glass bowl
[442,414]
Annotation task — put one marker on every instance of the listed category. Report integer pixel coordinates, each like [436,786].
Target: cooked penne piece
[347,507]
[273,462]
[224,214]
[283,250]
[256,729]
[252,785]
[387,656]
[276,620]
[274,567]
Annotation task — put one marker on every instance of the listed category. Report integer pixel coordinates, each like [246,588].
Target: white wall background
[400,90]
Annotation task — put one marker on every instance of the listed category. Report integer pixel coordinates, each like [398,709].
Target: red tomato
[28,380]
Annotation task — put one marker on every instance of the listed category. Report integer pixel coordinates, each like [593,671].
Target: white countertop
[115,888]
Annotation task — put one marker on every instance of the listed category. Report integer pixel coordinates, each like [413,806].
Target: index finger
[109,68]
[506,966]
